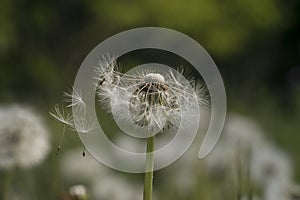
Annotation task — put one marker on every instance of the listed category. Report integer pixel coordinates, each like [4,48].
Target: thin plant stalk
[7,184]
[239,176]
[148,178]
[61,140]
[249,183]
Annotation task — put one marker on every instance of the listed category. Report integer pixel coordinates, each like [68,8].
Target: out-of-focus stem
[7,184]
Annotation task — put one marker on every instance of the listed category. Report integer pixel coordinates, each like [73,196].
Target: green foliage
[223,28]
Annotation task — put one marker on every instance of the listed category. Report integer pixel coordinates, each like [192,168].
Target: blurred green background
[255,44]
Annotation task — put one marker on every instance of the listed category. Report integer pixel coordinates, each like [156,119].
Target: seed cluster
[154,100]
[149,95]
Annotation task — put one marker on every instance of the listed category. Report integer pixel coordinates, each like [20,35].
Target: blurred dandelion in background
[24,144]
[78,192]
[103,183]
[248,160]
[271,164]
[24,140]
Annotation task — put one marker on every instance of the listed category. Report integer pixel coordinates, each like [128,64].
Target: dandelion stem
[148,178]
[7,184]
[61,140]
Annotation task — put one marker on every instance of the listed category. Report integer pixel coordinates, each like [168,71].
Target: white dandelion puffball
[277,190]
[243,131]
[240,135]
[147,101]
[243,139]
[270,164]
[24,140]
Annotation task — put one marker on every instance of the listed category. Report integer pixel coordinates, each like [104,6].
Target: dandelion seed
[61,116]
[74,98]
[83,151]
[57,150]
[64,118]
[61,140]
[83,125]
[105,70]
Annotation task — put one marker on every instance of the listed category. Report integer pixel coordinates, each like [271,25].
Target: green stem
[148,178]
[249,182]
[7,184]
[239,176]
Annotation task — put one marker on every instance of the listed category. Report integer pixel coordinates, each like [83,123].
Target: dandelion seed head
[149,100]
[24,140]
[143,102]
